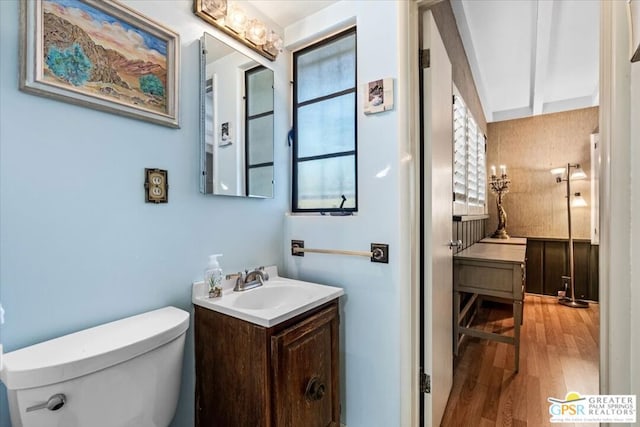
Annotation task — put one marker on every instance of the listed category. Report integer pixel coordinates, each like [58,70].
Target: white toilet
[121,374]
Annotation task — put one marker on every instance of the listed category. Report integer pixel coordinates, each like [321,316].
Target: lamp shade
[558,171]
[578,173]
[578,201]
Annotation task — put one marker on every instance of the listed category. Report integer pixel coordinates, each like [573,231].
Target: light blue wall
[373,314]
[78,244]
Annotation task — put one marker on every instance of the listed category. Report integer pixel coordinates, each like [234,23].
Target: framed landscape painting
[100,54]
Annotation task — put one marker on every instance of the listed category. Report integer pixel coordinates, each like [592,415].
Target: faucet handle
[233,275]
[265,275]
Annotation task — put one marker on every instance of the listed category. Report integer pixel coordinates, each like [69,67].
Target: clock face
[156,186]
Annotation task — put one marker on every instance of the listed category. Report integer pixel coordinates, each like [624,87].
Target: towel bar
[379,251]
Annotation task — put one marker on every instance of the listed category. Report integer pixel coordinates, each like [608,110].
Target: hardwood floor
[558,353]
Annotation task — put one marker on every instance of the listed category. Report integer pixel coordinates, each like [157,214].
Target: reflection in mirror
[236,128]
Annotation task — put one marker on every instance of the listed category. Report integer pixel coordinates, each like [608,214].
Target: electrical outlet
[156,186]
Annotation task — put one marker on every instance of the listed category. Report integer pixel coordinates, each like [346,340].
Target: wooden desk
[509,241]
[487,269]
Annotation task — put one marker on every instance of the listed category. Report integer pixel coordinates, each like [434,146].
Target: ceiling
[531,57]
[528,57]
[286,12]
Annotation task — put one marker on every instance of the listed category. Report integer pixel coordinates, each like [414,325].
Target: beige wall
[530,147]
[462,77]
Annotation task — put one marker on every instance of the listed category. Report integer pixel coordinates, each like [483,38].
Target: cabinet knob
[315,389]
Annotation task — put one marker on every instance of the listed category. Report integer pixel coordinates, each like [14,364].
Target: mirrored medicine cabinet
[236,122]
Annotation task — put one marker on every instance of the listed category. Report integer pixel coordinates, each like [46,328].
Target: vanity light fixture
[232,20]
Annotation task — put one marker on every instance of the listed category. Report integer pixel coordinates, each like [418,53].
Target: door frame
[615,312]
[615,211]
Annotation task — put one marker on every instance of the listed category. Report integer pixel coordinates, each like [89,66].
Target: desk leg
[517,321]
[456,321]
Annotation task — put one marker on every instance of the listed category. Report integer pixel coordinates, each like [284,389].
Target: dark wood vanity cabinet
[283,376]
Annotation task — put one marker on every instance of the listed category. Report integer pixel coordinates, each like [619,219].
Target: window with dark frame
[324,126]
[259,131]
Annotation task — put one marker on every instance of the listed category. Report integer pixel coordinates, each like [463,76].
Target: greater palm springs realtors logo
[593,408]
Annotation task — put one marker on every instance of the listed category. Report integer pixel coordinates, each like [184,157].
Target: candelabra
[500,186]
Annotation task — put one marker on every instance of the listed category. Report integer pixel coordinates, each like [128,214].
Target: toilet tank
[121,374]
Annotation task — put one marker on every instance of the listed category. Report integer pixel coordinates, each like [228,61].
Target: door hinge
[425,382]
[425,58]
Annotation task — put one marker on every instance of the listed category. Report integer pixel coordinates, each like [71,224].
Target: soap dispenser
[213,277]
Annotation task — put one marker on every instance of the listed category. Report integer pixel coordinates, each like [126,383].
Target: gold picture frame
[102,55]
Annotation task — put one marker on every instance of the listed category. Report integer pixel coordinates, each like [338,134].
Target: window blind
[469,162]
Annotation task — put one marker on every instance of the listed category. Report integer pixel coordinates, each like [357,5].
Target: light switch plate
[156,186]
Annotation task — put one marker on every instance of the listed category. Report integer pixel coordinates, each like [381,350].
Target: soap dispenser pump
[213,277]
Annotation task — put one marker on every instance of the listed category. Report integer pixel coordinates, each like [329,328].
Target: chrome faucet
[249,280]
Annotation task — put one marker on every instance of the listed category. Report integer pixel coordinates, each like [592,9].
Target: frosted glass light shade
[578,173]
[236,19]
[256,32]
[273,44]
[558,171]
[578,201]
[217,9]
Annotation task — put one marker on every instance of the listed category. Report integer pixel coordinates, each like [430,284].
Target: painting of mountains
[104,51]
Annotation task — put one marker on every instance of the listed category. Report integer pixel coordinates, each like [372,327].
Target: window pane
[321,183]
[259,91]
[327,126]
[260,140]
[327,69]
[261,181]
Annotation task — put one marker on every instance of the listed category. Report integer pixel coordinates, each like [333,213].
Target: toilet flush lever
[54,403]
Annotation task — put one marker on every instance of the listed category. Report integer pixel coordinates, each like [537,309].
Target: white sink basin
[279,299]
[275,295]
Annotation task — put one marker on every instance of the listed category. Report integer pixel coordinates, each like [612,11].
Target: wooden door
[437,217]
[305,368]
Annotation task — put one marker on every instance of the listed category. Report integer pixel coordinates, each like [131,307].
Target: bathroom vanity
[285,374]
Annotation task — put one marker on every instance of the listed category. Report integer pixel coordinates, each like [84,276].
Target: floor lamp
[572,200]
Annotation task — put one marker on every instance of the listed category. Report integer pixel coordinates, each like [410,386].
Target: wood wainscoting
[547,262]
[469,229]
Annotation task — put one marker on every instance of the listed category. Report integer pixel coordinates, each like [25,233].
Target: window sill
[465,218]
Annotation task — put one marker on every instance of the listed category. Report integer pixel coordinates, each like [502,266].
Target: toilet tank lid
[92,349]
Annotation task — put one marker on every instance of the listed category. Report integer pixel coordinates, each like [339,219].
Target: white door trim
[615,190]
[408,113]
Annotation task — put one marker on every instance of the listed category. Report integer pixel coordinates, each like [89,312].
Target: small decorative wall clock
[156,186]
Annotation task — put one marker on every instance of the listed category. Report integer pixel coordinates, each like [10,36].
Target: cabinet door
[305,372]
